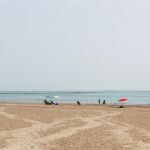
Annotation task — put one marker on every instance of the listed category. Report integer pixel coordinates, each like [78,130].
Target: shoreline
[73,104]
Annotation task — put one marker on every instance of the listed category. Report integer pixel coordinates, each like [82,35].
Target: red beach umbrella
[122,99]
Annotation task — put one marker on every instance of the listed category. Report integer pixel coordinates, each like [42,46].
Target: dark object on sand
[121,106]
[99,101]
[52,102]
[47,103]
[78,103]
[104,102]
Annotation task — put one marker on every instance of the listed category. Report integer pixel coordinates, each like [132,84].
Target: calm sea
[134,97]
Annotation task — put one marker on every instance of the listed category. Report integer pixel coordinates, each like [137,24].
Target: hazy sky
[74,44]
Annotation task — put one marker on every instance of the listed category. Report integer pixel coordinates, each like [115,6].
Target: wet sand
[71,127]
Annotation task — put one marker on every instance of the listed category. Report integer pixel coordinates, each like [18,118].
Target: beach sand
[71,127]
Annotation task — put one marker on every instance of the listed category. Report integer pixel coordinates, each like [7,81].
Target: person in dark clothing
[52,102]
[104,102]
[46,102]
[78,103]
[99,101]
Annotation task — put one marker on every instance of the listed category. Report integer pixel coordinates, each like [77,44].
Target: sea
[85,97]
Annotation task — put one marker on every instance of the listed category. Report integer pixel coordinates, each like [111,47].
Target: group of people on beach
[50,102]
[99,102]
[78,102]
[104,102]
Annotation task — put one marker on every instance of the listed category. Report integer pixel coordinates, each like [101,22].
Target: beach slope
[65,127]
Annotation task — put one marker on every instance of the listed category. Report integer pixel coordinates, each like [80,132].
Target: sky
[74,45]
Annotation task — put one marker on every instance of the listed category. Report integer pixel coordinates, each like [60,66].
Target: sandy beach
[71,127]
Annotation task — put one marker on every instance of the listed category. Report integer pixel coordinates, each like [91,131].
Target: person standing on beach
[99,101]
[104,102]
